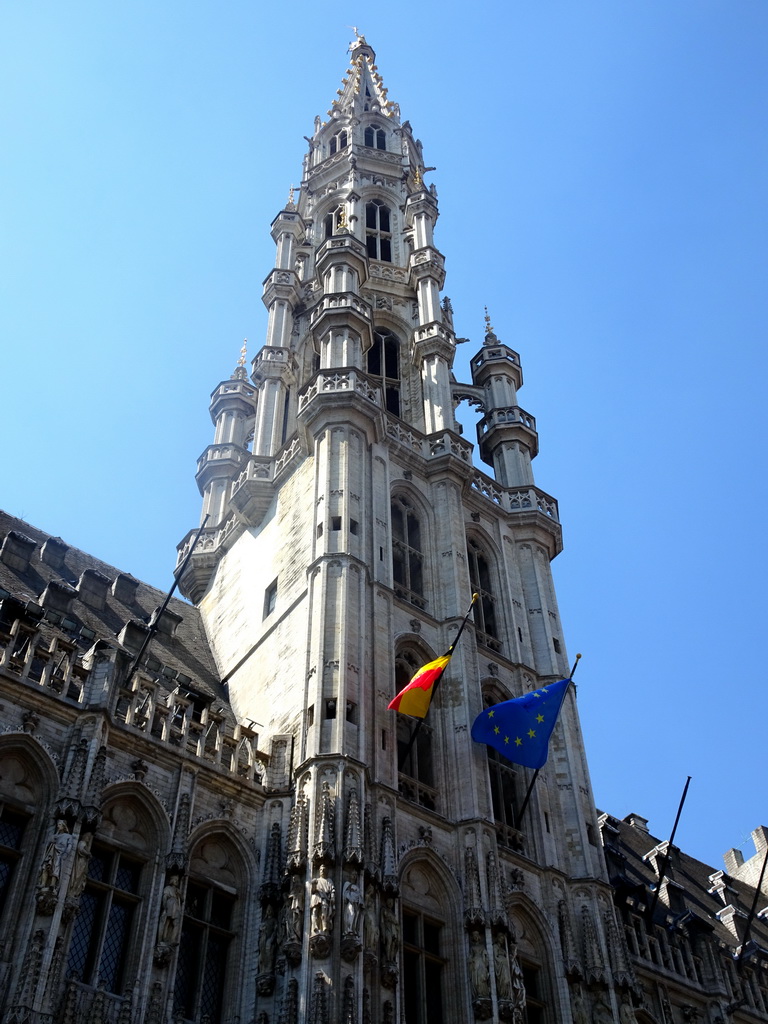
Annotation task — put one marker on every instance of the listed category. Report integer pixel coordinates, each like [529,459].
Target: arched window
[407,557]
[332,222]
[104,927]
[102,949]
[503,775]
[416,767]
[208,931]
[431,977]
[384,364]
[484,610]
[423,963]
[378,231]
[375,137]
[338,141]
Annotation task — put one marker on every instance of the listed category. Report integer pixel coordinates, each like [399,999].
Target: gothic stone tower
[347,528]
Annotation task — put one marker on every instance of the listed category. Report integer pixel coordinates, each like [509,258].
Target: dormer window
[339,141]
[378,231]
[375,137]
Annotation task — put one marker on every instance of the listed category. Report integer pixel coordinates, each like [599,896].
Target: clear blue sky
[602,175]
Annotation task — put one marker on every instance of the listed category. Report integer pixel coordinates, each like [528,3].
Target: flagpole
[154,627]
[527,798]
[665,861]
[450,650]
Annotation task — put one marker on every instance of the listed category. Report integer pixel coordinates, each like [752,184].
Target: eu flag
[520,728]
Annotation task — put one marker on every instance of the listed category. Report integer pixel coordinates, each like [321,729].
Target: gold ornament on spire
[418,181]
[290,205]
[241,360]
[342,224]
[488,326]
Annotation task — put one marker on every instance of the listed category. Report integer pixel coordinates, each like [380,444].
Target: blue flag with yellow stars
[520,728]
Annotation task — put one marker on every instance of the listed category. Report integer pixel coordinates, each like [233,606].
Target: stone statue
[294,922]
[353,907]
[601,1013]
[370,924]
[501,969]
[390,929]
[80,868]
[478,967]
[50,871]
[170,914]
[627,1012]
[267,940]
[322,903]
[580,1015]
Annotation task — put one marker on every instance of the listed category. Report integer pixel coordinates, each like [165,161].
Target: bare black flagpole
[527,798]
[665,861]
[153,628]
[449,652]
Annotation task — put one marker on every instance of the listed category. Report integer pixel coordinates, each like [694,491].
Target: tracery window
[503,777]
[103,928]
[423,965]
[206,935]
[482,584]
[378,230]
[384,365]
[212,919]
[407,557]
[338,142]
[416,768]
[375,137]
[12,826]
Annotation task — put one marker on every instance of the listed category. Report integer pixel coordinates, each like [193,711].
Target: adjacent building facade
[208,813]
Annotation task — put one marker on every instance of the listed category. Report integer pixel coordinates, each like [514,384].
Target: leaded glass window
[422,965]
[12,825]
[384,365]
[103,927]
[482,584]
[407,557]
[378,231]
[206,935]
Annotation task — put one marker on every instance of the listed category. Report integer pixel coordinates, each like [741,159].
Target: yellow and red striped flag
[414,698]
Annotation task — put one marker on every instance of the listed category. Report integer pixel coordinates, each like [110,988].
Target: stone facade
[208,813]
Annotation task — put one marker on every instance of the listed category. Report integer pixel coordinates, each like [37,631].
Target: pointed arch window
[206,935]
[417,769]
[338,141]
[375,137]
[211,922]
[332,222]
[485,608]
[384,365]
[505,798]
[407,557]
[378,230]
[12,826]
[103,928]
[423,963]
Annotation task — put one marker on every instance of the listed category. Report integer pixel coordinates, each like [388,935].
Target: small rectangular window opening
[330,708]
[353,526]
[319,529]
[519,634]
[310,715]
[270,598]
[336,523]
[556,644]
[383,739]
[351,712]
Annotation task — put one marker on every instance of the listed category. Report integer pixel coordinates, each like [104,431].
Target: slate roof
[627,844]
[103,602]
